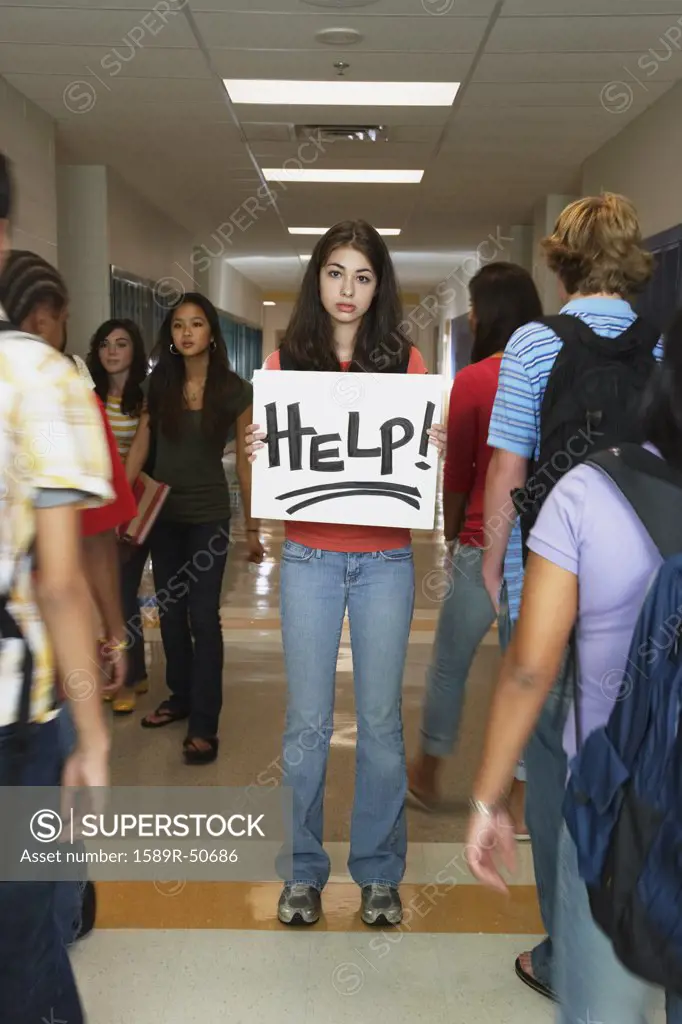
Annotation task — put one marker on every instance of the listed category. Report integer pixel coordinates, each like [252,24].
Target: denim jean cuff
[436,748]
[306,881]
[392,884]
[541,961]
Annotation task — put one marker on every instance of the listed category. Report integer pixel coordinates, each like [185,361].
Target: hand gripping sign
[346,448]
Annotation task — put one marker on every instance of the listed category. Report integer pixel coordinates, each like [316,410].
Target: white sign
[346,447]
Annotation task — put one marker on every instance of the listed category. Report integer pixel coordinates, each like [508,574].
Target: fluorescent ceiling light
[355,175]
[323,231]
[268,302]
[341,92]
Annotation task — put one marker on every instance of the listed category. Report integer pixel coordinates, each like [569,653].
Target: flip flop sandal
[537,986]
[194,756]
[170,716]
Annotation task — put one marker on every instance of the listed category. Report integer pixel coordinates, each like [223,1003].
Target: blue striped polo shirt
[515,422]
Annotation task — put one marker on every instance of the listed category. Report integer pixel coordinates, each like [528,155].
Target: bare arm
[65,605]
[548,612]
[252,525]
[454,510]
[506,472]
[139,449]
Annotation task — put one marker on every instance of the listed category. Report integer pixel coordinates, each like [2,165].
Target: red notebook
[150,496]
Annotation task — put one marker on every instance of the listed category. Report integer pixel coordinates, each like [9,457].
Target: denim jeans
[591,982]
[68,902]
[377,588]
[546,769]
[188,562]
[466,615]
[133,559]
[36,980]
[505,628]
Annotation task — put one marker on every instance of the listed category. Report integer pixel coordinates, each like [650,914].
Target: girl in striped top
[118,364]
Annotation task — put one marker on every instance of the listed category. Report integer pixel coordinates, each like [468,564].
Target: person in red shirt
[503,297]
[347,317]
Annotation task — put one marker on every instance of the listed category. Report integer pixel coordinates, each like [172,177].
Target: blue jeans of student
[466,615]
[544,770]
[591,983]
[377,588]
[68,901]
[36,980]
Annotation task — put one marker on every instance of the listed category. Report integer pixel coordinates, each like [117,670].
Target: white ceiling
[527,115]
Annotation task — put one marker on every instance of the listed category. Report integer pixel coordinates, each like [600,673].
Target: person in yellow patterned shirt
[53,462]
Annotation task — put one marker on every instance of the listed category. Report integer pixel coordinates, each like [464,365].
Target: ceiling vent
[342,132]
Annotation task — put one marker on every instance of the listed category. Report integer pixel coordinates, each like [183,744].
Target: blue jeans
[546,769]
[68,902]
[36,980]
[377,588]
[591,983]
[505,628]
[466,615]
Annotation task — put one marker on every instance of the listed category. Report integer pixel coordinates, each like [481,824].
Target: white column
[83,247]
[544,218]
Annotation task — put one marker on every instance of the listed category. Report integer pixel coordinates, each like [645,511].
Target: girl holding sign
[347,317]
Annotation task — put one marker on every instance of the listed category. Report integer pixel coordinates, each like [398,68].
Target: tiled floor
[214,951]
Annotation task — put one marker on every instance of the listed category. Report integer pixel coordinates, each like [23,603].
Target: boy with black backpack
[569,385]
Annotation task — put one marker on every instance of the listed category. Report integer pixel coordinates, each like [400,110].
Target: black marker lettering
[353,433]
[428,421]
[317,458]
[293,434]
[387,444]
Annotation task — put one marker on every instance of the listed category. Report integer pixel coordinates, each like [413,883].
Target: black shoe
[299,904]
[381,904]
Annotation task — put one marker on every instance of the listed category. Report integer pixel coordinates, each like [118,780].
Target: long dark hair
[504,298]
[131,398]
[166,399]
[380,344]
[662,419]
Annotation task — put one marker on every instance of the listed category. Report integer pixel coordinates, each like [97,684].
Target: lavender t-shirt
[588,528]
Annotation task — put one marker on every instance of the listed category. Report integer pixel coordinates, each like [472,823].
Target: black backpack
[592,401]
[286,362]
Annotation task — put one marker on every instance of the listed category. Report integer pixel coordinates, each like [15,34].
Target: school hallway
[197,951]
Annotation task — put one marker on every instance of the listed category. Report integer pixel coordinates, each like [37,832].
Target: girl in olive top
[118,365]
[193,400]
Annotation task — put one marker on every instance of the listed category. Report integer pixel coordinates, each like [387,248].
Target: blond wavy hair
[596,247]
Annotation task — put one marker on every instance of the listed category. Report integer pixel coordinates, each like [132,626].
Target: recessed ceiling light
[339,36]
[269,302]
[355,175]
[323,231]
[341,92]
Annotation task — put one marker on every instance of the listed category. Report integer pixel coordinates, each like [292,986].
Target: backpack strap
[572,329]
[652,487]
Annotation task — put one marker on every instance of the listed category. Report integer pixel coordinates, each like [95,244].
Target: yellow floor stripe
[247,905]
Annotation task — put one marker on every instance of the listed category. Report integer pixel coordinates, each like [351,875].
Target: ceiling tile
[590,8]
[483,95]
[319,65]
[129,31]
[296,31]
[572,67]
[575,34]
[44,59]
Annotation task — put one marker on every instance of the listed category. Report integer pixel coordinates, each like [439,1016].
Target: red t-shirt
[468,455]
[339,536]
[124,507]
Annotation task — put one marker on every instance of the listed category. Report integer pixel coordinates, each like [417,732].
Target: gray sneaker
[381,904]
[299,904]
